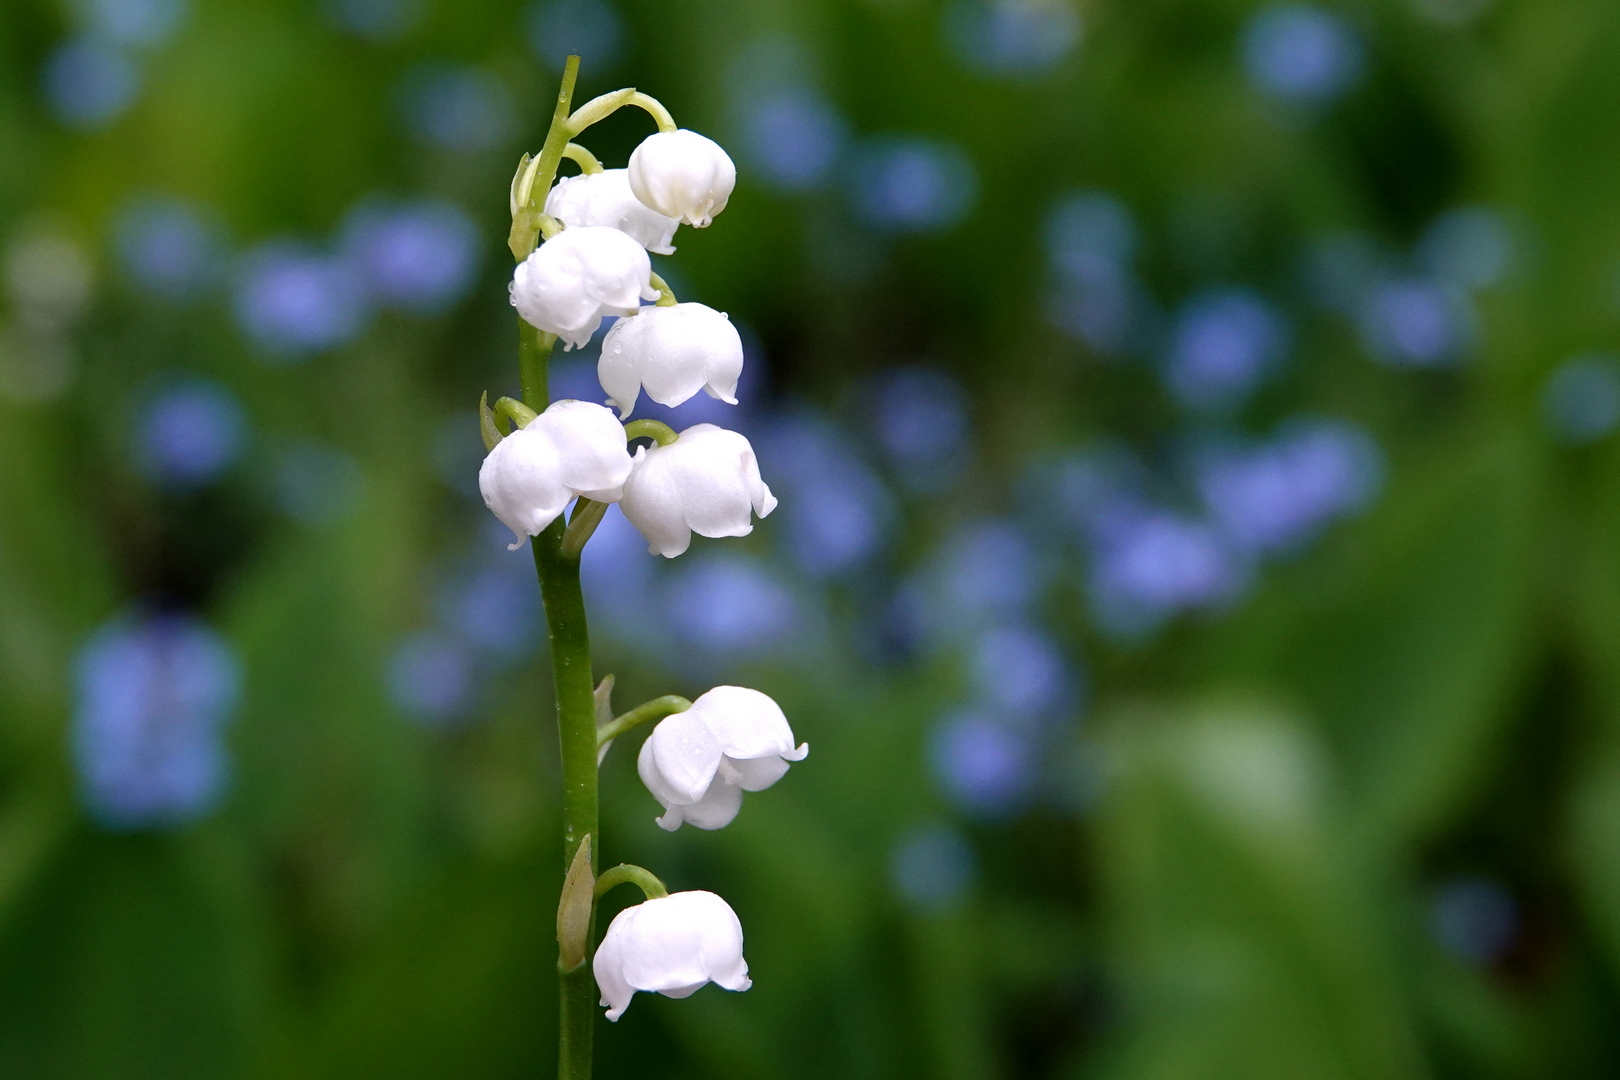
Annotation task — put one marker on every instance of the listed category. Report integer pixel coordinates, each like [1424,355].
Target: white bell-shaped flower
[672,353]
[698,763]
[605,198]
[573,448]
[672,945]
[569,282]
[683,175]
[706,482]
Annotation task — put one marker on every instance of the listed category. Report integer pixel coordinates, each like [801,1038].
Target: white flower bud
[683,175]
[605,198]
[706,482]
[569,282]
[698,763]
[672,353]
[673,946]
[573,448]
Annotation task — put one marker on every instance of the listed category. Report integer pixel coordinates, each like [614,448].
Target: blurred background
[1197,571]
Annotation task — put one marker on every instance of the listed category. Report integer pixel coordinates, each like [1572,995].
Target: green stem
[534,356]
[656,430]
[628,874]
[584,158]
[565,619]
[576,727]
[587,516]
[543,171]
[666,295]
[656,709]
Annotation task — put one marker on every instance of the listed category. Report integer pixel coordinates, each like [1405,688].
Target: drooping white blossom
[698,763]
[673,946]
[569,282]
[672,353]
[605,198]
[706,481]
[682,175]
[573,448]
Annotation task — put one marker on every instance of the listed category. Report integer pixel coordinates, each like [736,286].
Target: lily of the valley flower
[569,282]
[673,946]
[706,482]
[573,448]
[605,198]
[698,763]
[683,175]
[672,353]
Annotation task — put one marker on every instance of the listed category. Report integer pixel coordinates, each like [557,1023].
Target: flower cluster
[594,264]
[705,479]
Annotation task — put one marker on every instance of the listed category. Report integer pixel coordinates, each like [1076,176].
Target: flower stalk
[543,455]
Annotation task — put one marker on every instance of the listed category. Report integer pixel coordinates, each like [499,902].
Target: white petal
[652,503]
[745,723]
[592,453]
[520,483]
[682,174]
[673,944]
[605,198]
[717,809]
[608,966]
[683,755]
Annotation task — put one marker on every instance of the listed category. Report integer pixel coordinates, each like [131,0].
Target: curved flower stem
[600,108]
[666,295]
[520,414]
[587,516]
[627,874]
[586,160]
[656,430]
[656,709]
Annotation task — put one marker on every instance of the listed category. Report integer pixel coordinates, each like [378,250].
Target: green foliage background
[1434,688]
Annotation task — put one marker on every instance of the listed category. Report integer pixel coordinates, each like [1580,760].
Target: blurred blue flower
[1416,322]
[835,511]
[921,424]
[1301,54]
[457,107]
[913,184]
[420,256]
[168,247]
[378,20]
[1018,39]
[431,679]
[1581,401]
[792,136]
[933,867]
[188,433]
[731,606]
[1021,674]
[89,84]
[1474,919]
[140,23]
[983,766]
[495,607]
[153,693]
[1470,246]
[590,29]
[1274,497]
[317,484]
[620,577]
[1225,342]
[1149,564]
[293,301]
